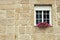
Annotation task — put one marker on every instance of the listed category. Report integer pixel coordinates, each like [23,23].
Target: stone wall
[17,20]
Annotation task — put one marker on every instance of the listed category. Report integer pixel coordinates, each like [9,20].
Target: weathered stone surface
[2,37]
[10,37]
[43,37]
[7,7]
[10,14]
[23,17]
[59,23]
[2,30]
[58,8]
[29,30]
[41,2]
[31,6]
[24,8]
[58,2]
[10,30]
[24,37]
[10,22]
[8,2]
[23,1]
[57,37]
[17,20]
[2,14]
[21,30]
[20,10]
[3,18]
[56,30]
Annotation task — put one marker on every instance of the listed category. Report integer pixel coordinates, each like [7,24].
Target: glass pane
[40,16]
[45,21]
[47,12]
[47,16]
[36,21]
[44,17]
[40,12]
[36,16]
[40,20]
[44,11]
[44,14]
[48,21]
[36,11]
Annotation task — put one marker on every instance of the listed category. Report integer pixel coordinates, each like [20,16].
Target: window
[42,14]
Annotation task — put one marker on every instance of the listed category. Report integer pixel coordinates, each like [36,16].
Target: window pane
[47,16]
[45,21]
[36,11]
[48,21]
[38,16]
[40,12]
[44,17]
[36,21]
[40,21]
[44,11]
[44,14]
[47,12]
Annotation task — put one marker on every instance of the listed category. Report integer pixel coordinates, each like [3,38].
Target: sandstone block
[2,37]
[7,7]
[2,30]
[21,30]
[10,30]
[10,37]
[23,1]
[8,2]
[56,30]
[10,22]
[24,37]
[28,30]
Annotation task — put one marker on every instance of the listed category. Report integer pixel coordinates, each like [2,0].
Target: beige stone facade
[17,20]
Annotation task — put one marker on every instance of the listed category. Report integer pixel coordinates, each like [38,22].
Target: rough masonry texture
[17,20]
